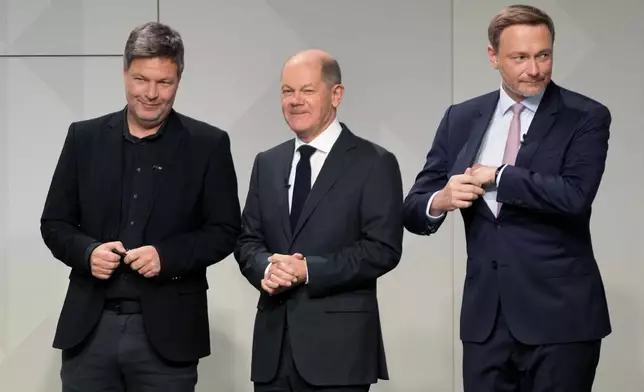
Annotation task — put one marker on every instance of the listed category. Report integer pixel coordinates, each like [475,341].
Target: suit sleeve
[215,239]
[60,219]
[380,247]
[571,192]
[430,180]
[251,252]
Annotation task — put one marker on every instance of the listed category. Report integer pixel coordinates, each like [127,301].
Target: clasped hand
[284,271]
[463,189]
[103,261]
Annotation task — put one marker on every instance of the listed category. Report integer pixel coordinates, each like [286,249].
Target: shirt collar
[324,141]
[530,103]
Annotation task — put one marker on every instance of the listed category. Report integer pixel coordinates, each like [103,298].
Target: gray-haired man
[142,201]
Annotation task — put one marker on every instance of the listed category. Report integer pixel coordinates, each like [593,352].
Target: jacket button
[494,265]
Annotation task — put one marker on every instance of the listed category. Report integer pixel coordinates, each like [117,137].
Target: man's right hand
[103,261]
[460,192]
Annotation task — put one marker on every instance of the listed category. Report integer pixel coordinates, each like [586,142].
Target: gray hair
[331,73]
[154,39]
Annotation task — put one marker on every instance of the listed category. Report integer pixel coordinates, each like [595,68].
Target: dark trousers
[289,380]
[118,358]
[503,364]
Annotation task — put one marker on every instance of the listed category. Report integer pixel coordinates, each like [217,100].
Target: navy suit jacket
[536,258]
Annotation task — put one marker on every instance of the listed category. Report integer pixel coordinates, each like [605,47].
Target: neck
[137,130]
[308,137]
[515,97]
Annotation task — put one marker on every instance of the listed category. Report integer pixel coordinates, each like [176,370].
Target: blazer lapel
[283,173]
[166,166]
[110,173]
[479,125]
[540,126]
[334,165]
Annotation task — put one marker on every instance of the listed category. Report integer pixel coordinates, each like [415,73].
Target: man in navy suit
[523,164]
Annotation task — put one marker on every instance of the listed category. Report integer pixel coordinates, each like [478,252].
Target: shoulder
[201,130]
[583,104]
[473,105]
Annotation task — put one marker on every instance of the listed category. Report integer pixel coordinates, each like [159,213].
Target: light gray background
[403,61]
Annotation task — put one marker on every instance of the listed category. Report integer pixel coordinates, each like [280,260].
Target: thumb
[118,245]
[298,256]
[468,171]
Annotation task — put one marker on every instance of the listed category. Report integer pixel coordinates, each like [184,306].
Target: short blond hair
[517,14]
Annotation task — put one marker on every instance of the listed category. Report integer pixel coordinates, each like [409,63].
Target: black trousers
[118,358]
[289,380]
[503,364]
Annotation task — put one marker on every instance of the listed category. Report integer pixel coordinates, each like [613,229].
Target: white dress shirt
[322,144]
[493,144]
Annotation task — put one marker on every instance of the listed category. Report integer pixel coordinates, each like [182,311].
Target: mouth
[150,105]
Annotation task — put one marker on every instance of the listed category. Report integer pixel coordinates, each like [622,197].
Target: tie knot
[517,108]
[306,151]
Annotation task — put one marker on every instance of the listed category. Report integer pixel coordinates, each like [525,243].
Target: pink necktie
[514,138]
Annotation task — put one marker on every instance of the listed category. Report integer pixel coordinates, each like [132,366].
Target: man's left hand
[145,260]
[291,264]
[485,174]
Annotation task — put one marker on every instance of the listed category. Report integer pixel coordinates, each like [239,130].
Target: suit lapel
[335,164]
[283,173]
[166,166]
[541,124]
[110,173]
[480,124]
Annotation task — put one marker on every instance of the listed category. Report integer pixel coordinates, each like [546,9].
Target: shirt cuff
[498,178]
[429,204]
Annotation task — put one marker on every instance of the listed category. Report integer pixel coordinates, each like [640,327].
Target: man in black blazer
[322,222]
[142,201]
[523,164]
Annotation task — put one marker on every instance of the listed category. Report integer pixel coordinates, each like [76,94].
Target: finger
[101,276]
[462,204]
[144,269]
[283,267]
[271,284]
[105,264]
[279,281]
[101,271]
[468,171]
[108,256]
[282,274]
[138,264]
[151,274]
[298,256]
[266,288]
[131,256]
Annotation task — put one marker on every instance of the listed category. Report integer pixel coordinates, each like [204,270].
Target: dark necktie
[302,185]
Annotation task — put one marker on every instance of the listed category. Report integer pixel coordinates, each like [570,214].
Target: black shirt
[140,165]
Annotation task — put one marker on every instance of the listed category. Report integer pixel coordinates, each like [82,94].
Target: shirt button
[138,169]
[132,223]
[136,196]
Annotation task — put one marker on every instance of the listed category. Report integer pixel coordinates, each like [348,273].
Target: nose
[152,91]
[296,99]
[533,68]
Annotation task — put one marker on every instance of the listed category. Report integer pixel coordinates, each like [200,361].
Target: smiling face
[151,86]
[524,59]
[309,104]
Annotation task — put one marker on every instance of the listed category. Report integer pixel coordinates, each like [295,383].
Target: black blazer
[536,258]
[193,223]
[350,230]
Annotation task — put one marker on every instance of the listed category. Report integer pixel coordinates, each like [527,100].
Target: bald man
[322,222]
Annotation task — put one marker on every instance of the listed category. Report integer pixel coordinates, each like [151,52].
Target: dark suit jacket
[350,231]
[193,223]
[537,256]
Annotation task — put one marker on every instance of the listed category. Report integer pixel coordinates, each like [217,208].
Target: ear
[337,93]
[493,56]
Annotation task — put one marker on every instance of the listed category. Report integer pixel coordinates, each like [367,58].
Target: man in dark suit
[523,164]
[142,201]
[322,222]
